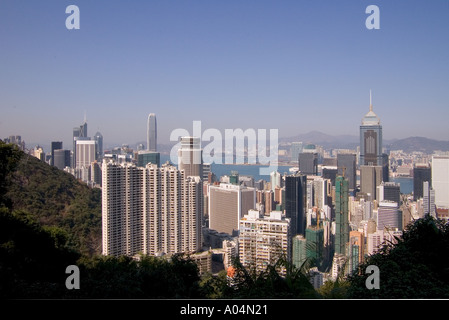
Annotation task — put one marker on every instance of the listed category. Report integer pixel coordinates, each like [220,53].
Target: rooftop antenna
[85,116]
[370,101]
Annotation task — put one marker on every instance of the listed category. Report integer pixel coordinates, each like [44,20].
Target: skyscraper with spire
[371,139]
[152,133]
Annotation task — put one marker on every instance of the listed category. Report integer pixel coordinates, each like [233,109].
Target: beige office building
[227,205]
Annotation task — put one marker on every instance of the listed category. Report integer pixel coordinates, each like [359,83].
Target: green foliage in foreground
[417,267]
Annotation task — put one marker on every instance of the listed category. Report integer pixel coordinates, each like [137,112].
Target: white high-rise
[150,210]
[152,132]
[190,156]
[440,180]
[86,153]
[428,199]
[264,240]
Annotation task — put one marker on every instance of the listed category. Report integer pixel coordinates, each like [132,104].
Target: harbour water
[219,170]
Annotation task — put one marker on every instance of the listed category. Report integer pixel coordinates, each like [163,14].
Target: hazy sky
[292,65]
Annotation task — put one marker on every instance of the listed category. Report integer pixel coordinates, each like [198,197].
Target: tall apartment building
[264,240]
[150,210]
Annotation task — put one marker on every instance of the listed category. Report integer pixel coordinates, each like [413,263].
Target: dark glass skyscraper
[55,145]
[98,137]
[295,202]
[421,173]
[308,163]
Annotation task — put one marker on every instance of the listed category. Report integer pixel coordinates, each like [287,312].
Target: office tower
[310,197]
[299,250]
[329,162]
[341,214]
[145,157]
[206,170]
[295,150]
[385,168]
[149,210]
[269,201]
[428,199]
[264,240]
[86,153]
[308,163]
[389,191]
[190,156]
[315,245]
[55,145]
[321,190]
[389,216]
[371,139]
[98,138]
[296,201]
[275,180]
[39,153]
[330,173]
[440,180]
[370,178]
[79,133]
[151,133]
[227,205]
[95,174]
[347,167]
[17,140]
[421,173]
[61,158]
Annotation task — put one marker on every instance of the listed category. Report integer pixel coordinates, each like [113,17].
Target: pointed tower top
[371,118]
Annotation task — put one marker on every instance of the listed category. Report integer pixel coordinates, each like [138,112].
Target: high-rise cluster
[150,210]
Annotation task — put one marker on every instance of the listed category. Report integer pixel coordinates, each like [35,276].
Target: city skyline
[292,65]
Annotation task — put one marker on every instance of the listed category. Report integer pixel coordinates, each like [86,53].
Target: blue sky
[292,65]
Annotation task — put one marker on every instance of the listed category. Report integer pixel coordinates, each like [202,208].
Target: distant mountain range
[410,144]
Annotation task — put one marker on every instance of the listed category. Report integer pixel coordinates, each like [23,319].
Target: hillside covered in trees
[53,199]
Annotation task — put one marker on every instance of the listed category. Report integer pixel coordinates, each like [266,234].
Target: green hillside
[52,198]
